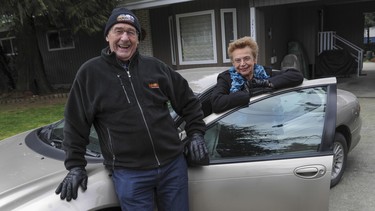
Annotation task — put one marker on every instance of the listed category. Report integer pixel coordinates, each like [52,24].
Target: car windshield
[53,135]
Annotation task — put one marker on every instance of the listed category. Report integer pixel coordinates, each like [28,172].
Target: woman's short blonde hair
[242,43]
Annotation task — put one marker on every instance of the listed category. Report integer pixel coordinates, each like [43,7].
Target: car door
[275,154]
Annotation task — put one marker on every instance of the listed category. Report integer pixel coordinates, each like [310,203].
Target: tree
[24,17]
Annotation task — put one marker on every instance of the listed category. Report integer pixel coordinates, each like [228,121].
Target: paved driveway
[362,86]
[356,191]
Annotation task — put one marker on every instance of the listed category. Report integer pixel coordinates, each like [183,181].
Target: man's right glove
[196,150]
[68,188]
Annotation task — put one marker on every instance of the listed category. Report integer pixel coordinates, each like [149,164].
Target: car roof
[200,79]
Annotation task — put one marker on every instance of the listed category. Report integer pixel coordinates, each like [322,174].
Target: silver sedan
[283,151]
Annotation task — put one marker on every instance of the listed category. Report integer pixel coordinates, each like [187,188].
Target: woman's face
[243,61]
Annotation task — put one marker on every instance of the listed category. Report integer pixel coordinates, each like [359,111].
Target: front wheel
[340,151]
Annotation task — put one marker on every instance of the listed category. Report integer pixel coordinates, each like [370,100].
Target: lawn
[22,116]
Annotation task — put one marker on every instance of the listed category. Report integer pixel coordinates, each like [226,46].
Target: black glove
[196,150]
[68,188]
[258,86]
[256,83]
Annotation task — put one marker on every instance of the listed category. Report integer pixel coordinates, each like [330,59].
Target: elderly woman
[235,86]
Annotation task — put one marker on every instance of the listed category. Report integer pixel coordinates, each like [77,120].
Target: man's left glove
[68,188]
[196,150]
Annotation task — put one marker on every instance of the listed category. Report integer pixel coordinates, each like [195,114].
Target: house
[196,33]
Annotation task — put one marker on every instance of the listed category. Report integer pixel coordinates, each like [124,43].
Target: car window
[205,100]
[284,124]
[171,111]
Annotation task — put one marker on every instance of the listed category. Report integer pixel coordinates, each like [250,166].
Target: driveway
[356,190]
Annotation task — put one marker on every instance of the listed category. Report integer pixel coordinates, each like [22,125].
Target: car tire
[340,155]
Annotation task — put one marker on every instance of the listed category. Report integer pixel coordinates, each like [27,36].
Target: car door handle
[311,171]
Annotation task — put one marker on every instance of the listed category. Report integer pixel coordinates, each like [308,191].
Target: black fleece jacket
[129,110]
[222,99]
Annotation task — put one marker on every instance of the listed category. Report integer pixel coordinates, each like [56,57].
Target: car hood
[29,179]
[24,171]
[21,165]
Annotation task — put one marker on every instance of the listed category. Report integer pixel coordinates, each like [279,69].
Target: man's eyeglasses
[245,59]
[120,32]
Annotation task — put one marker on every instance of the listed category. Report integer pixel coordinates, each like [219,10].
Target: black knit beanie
[122,15]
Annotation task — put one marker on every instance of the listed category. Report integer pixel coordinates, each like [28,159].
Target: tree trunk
[29,63]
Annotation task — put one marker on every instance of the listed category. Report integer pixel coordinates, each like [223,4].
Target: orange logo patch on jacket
[153,85]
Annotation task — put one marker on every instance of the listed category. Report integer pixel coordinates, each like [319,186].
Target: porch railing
[329,40]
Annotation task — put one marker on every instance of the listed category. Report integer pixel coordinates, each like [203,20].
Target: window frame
[213,34]
[12,46]
[60,40]
[226,58]
[172,40]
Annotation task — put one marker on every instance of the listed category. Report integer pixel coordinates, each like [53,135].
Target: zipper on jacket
[110,146]
[143,116]
[123,88]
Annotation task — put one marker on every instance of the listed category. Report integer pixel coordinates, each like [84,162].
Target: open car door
[274,154]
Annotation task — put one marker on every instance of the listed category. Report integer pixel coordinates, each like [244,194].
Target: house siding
[350,25]
[62,65]
[284,24]
[264,3]
[145,45]
[160,26]
[278,22]
[288,20]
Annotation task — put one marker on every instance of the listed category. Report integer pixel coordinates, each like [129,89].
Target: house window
[9,46]
[228,30]
[196,38]
[172,39]
[60,40]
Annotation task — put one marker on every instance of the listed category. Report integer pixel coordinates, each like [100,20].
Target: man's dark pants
[136,188]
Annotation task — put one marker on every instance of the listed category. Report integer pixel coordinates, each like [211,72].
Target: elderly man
[125,95]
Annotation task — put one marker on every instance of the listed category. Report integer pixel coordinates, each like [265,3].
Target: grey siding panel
[61,66]
[160,34]
[263,3]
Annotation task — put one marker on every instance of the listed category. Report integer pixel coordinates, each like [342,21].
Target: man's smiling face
[123,40]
